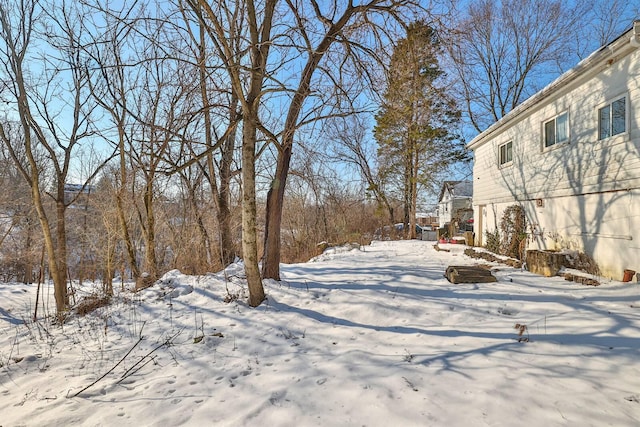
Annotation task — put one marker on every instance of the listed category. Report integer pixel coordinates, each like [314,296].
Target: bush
[514,232]
[493,241]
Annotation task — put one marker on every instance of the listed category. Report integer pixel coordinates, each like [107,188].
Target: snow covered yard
[374,337]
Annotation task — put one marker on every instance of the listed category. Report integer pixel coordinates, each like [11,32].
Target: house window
[612,119]
[556,131]
[506,153]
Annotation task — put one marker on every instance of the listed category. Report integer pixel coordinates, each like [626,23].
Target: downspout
[635,38]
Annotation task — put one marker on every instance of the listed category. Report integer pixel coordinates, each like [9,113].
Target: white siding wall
[588,188]
[444,209]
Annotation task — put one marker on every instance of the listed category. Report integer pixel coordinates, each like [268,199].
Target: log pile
[488,256]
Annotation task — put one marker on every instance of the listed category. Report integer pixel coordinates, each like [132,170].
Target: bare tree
[343,35]
[55,111]
[220,118]
[161,52]
[113,90]
[19,238]
[148,91]
[160,110]
[602,21]
[107,234]
[246,65]
[352,146]
[329,39]
[504,51]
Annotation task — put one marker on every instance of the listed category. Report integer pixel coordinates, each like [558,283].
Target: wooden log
[469,274]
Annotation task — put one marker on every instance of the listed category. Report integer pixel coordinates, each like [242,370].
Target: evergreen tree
[417,123]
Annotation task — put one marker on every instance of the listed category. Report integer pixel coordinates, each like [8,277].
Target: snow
[371,336]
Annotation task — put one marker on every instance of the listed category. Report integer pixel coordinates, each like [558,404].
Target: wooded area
[143,137]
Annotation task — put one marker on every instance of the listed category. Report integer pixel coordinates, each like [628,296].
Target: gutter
[573,74]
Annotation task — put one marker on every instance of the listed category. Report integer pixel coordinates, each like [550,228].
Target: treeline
[181,115]
[186,231]
[181,123]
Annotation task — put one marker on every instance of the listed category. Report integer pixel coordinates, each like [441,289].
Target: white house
[455,201]
[570,155]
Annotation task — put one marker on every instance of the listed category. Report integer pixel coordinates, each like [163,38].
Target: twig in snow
[131,370]
[110,370]
[140,338]
[410,384]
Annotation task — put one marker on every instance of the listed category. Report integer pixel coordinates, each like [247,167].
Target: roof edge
[629,38]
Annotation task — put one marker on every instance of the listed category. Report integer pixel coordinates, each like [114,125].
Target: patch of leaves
[522,329]
[231,297]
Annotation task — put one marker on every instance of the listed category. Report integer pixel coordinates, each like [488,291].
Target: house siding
[452,206]
[455,195]
[444,209]
[580,195]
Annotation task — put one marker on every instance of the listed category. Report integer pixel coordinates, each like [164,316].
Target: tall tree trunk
[109,266]
[59,282]
[120,192]
[275,202]
[249,212]
[220,193]
[414,193]
[228,251]
[227,246]
[204,252]
[27,264]
[126,236]
[406,208]
[150,261]
[275,197]
[61,242]
[259,45]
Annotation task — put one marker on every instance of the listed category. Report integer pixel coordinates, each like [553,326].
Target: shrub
[514,232]
[493,241]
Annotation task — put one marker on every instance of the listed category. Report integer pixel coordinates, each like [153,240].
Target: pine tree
[416,126]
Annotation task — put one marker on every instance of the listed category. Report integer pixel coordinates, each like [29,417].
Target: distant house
[427,220]
[455,202]
[570,156]
[77,194]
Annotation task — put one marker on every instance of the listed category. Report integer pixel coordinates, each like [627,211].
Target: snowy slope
[373,337]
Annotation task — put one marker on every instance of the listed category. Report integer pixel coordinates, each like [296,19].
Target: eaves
[602,57]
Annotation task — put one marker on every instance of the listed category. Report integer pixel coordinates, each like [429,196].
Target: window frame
[502,161]
[556,142]
[611,116]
